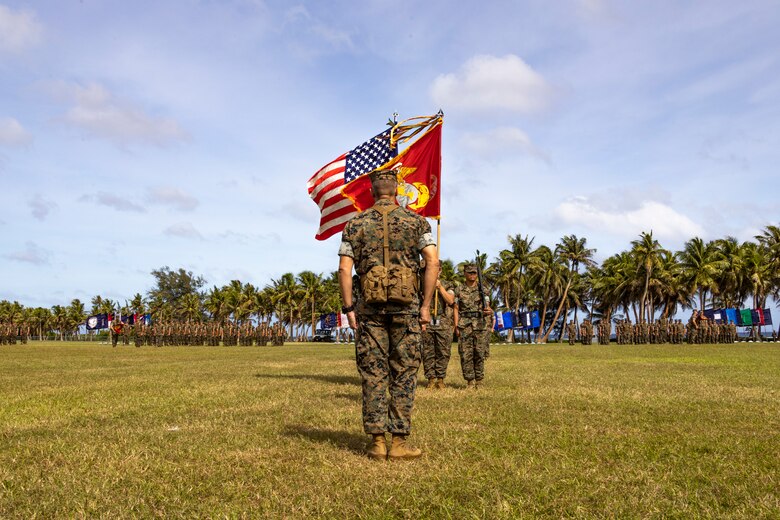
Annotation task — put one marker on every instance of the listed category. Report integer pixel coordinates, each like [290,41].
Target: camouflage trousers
[436,351]
[473,350]
[387,351]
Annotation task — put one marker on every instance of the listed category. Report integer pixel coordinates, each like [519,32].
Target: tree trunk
[557,313]
[291,322]
[644,296]
[313,319]
[541,324]
[565,315]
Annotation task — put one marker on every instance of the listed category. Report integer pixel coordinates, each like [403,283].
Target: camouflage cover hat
[387,173]
[470,268]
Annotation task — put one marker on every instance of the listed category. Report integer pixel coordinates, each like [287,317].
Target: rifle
[479,283]
[482,299]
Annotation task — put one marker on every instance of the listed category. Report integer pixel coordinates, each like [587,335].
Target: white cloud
[41,207]
[12,133]
[493,83]
[183,230]
[170,196]
[18,30]
[31,254]
[98,114]
[112,201]
[649,215]
[502,139]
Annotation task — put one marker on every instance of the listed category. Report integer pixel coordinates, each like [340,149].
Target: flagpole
[439,115]
[435,287]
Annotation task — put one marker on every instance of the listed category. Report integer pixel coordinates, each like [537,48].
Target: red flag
[419,177]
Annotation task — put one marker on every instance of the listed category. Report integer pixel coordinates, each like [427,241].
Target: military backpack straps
[385,283]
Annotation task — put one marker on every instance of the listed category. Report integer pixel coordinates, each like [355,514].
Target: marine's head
[383,182]
[470,269]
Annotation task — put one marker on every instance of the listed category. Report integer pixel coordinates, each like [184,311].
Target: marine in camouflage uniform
[391,239]
[571,332]
[117,327]
[137,339]
[437,338]
[473,322]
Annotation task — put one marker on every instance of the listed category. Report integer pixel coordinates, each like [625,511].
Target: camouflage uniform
[437,339]
[474,330]
[571,332]
[388,341]
[117,328]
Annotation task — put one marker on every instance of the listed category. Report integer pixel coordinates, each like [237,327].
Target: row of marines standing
[175,333]
[11,332]
[698,330]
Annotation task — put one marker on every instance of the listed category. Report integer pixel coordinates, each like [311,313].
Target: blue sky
[135,135]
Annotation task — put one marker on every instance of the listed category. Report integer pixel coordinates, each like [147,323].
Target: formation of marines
[177,333]
[10,333]
[698,330]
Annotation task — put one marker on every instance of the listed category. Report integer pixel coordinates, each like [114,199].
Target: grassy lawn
[620,431]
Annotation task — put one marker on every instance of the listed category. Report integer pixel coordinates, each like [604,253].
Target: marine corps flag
[419,177]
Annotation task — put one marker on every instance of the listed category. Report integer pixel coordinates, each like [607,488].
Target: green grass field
[620,431]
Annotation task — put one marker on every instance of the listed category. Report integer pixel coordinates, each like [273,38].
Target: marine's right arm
[345,284]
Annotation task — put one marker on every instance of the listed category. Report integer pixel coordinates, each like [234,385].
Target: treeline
[645,282]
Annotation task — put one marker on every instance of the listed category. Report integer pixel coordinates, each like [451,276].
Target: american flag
[325,185]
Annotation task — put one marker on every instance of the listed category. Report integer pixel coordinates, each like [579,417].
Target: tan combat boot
[440,384]
[378,448]
[471,385]
[478,384]
[431,383]
[400,450]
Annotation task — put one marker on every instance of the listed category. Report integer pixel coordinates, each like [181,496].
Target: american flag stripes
[325,186]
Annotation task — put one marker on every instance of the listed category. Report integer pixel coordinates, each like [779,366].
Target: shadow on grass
[356,443]
[357,397]
[337,380]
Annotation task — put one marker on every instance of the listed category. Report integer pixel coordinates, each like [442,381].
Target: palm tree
[216,305]
[758,272]
[76,314]
[520,259]
[59,318]
[550,275]
[730,285]
[700,264]
[40,320]
[286,293]
[264,306]
[770,242]
[189,307]
[572,252]
[137,304]
[313,289]
[240,300]
[647,254]
[450,274]
[668,291]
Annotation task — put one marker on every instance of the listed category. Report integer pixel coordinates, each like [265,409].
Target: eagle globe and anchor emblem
[414,195]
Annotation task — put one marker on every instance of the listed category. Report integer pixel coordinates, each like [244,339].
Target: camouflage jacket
[363,241]
[444,314]
[467,300]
